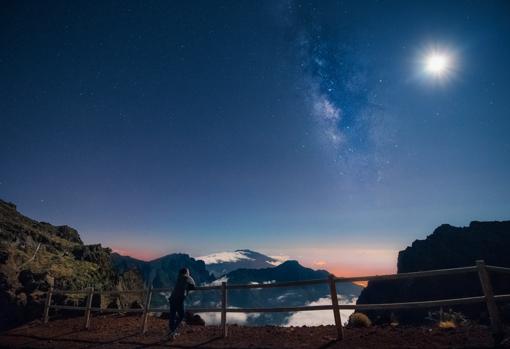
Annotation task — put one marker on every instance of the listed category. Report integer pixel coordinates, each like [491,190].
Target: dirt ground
[116,331]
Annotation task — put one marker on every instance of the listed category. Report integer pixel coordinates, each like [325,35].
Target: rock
[136,305]
[34,281]
[9,205]
[21,299]
[68,233]
[193,319]
[113,304]
[165,315]
[189,318]
[91,253]
[446,247]
[4,256]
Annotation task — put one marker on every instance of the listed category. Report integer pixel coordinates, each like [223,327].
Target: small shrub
[359,320]
[394,320]
[449,319]
[447,325]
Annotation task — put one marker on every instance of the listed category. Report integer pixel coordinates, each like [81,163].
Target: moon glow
[437,64]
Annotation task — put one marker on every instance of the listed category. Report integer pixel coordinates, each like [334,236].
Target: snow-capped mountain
[224,262]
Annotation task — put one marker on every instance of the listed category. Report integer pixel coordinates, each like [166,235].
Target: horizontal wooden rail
[279,284]
[254,285]
[70,292]
[279,309]
[194,310]
[417,304]
[199,288]
[67,307]
[115,293]
[498,269]
[381,306]
[502,297]
[117,310]
[425,273]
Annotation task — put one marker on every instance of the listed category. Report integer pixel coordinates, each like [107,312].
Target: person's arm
[191,284]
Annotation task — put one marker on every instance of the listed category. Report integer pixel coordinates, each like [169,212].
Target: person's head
[184,272]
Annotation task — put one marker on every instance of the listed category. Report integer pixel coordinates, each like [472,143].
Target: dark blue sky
[308,129]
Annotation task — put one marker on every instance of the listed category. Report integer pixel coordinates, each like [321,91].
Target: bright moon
[437,64]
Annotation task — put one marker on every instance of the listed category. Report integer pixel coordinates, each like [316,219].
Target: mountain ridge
[447,247]
[35,256]
[162,271]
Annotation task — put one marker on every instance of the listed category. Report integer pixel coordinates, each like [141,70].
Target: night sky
[313,130]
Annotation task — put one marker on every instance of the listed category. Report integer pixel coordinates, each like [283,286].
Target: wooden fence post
[146,306]
[336,309]
[224,308]
[47,305]
[497,327]
[89,306]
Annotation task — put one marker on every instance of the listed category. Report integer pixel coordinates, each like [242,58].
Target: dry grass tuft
[359,320]
[447,325]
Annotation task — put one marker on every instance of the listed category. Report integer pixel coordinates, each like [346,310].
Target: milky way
[303,129]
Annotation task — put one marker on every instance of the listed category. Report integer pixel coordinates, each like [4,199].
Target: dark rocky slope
[162,272]
[446,247]
[36,255]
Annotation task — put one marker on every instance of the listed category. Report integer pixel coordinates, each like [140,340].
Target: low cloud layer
[320,317]
[232,318]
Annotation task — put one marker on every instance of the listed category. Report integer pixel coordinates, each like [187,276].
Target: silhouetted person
[183,285]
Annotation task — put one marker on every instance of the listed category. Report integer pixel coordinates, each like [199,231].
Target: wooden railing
[483,273]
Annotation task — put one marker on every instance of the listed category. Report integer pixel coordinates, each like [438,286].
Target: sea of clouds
[304,318]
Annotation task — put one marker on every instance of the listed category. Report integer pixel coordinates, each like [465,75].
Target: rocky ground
[116,331]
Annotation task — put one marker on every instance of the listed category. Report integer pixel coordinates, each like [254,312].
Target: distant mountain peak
[225,257]
[220,263]
[290,263]
[245,250]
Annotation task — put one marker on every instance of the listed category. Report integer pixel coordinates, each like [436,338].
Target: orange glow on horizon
[361,271]
[354,260]
[144,255]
